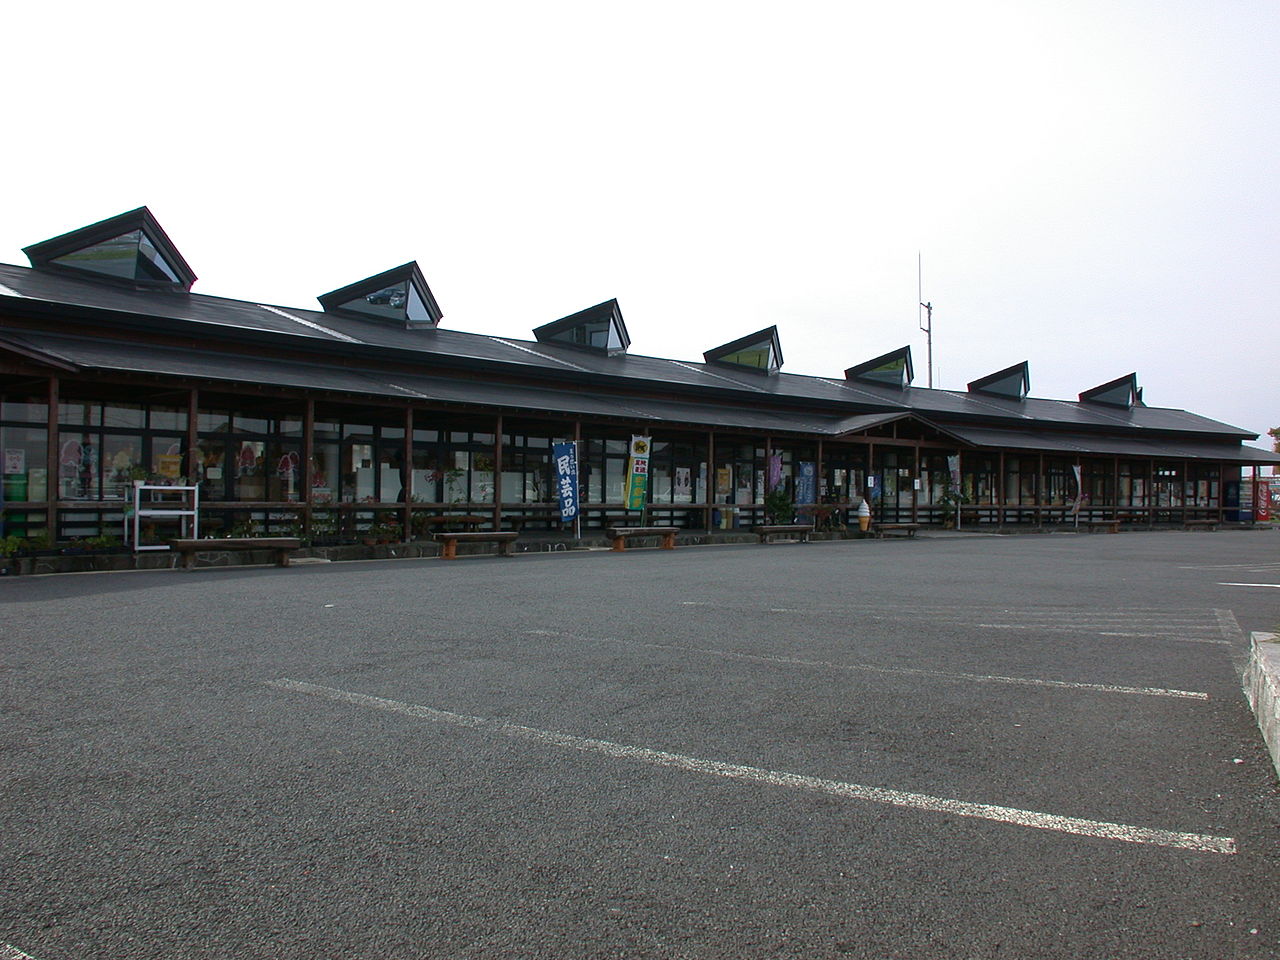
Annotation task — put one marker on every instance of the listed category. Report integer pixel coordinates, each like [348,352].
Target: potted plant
[778,505]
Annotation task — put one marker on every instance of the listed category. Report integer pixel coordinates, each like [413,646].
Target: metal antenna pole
[927,326]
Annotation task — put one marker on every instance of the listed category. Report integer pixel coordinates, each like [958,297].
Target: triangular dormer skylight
[595,328]
[399,296]
[131,248]
[891,369]
[761,351]
[1121,392]
[1013,383]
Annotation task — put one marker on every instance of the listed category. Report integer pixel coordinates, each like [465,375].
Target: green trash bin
[15,487]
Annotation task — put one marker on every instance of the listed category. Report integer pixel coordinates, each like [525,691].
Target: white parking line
[1126,833]
[902,671]
[1273,586]
[8,952]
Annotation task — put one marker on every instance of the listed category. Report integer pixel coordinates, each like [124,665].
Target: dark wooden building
[369,411]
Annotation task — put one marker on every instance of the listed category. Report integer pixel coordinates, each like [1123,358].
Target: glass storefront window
[250,470]
[78,466]
[168,418]
[24,468]
[121,455]
[24,411]
[213,421]
[126,416]
[213,472]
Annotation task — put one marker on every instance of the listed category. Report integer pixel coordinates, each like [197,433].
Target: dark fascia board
[610,310]
[768,333]
[983,385]
[43,254]
[333,300]
[898,417]
[1130,380]
[29,352]
[856,372]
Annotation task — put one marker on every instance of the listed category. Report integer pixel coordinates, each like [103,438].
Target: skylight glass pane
[117,257]
[417,310]
[151,265]
[893,372]
[389,303]
[760,357]
[1121,396]
[589,333]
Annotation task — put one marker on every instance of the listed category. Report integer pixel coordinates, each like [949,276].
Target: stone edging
[1262,688]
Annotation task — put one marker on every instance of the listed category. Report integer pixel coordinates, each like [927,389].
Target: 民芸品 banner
[565,456]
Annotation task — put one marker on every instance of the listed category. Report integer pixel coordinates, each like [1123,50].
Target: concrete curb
[1262,687]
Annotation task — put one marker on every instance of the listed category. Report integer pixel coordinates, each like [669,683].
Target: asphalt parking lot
[1023,747]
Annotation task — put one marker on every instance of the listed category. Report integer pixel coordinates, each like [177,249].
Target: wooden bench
[465,521]
[1111,526]
[619,535]
[882,530]
[283,547]
[503,538]
[1199,524]
[764,531]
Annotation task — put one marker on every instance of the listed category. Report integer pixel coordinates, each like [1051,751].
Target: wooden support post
[709,489]
[497,474]
[406,476]
[53,486]
[1115,487]
[818,475]
[866,483]
[1040,491]
[308,463]
[1183,491]
[1000,492]
[916,481]
[577,445]
[193,471]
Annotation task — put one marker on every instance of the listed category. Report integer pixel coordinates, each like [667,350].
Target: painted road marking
[1273,586]
[8,952]
[903,671]
[1229,626]
[1101,633]
[1125,833]
[1232,566]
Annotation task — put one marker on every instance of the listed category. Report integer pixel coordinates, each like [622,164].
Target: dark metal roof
[84,353]
[1099,445]
[234,325]
[100,354]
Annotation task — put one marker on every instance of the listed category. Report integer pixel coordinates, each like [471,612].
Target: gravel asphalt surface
[951,747]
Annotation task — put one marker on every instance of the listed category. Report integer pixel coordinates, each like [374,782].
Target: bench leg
[619,544]
[282,557]
[188,559]
[504,548]
[668,541]
[449,550]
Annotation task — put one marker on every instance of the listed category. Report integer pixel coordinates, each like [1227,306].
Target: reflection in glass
[387,303]
[130,256]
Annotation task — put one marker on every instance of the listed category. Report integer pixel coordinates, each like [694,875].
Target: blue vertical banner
[565,456]
[807,482]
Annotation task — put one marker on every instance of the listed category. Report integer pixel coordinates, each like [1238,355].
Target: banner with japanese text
[565,456]
[638,474]
[807,482]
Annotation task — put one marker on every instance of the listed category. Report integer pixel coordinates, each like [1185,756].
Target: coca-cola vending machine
[1261,501]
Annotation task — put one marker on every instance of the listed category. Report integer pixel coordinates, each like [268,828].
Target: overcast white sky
[1091,184]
